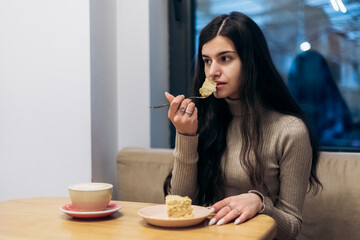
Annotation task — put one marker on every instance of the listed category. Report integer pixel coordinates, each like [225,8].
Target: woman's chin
[216,95]
[219,95]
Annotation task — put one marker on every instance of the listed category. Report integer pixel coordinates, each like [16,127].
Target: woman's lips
[219,85]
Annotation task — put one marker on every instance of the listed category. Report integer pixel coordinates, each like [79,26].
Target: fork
[167,104]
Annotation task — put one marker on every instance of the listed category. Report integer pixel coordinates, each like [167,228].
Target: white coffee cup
[90,196]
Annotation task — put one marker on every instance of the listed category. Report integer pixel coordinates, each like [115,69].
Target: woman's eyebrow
[221,53]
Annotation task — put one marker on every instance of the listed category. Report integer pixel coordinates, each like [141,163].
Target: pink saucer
[112,208]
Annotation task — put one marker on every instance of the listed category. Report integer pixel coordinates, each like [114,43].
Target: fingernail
[221,222]
[237,221]
[212,221]
[166,93]
[211,210]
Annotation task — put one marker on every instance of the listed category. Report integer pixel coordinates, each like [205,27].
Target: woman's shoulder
[286,132]
[284,122]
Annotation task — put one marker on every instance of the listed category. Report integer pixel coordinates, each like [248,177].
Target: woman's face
[223,65]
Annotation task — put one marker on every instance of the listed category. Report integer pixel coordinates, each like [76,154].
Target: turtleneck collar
[236,110]
[234,106]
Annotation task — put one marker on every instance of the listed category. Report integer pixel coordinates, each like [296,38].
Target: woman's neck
[235,107]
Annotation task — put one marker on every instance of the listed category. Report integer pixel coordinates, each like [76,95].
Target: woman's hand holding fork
[183,114]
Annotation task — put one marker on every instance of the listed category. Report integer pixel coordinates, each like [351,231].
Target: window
[316,48]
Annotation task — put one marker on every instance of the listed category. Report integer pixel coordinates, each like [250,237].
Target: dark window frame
[181,49]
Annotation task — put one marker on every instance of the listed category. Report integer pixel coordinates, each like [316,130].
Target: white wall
[47,138]
[44,97]
[129,63]
[104,106]
[133,73]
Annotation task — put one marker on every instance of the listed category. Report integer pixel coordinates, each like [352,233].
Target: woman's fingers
[169,97]
[184,106]
[241,208]
[219,205]
[225,215]
[183,114]
[194,111]
[243,217]
[234,213]
[190,108]
[174,106]
[221,208]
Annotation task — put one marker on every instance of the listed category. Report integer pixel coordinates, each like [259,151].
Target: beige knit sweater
[287,157]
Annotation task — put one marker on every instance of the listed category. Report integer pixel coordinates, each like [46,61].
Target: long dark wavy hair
[261,87]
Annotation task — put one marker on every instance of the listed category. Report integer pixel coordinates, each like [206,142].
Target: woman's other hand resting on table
[241,208]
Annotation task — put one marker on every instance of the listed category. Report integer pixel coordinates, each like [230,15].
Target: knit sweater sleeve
[295,156]
[184,173]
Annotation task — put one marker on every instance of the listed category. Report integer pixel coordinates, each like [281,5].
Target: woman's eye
[207,61]
[225,59]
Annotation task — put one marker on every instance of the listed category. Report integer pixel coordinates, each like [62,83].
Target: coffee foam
[90,186]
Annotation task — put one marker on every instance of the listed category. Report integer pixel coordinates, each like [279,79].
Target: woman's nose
[214,70]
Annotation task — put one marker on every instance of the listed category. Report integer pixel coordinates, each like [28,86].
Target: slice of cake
[178,207]
[208,87]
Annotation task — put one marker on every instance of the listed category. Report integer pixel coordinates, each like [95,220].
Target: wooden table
[41,218]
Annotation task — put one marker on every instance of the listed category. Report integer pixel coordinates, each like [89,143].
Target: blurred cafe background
[315,45]
[77,78]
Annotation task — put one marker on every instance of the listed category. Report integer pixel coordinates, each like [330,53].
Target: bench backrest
[334,213]
[141,174]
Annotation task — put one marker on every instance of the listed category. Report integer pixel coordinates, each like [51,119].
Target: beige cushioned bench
[141,173]
[332,214]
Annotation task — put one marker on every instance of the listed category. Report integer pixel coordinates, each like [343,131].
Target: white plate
[156,215]
[112,208]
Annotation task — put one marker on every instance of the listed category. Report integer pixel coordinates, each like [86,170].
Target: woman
[247,148]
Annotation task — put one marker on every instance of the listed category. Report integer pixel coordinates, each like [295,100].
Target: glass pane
[317,51]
